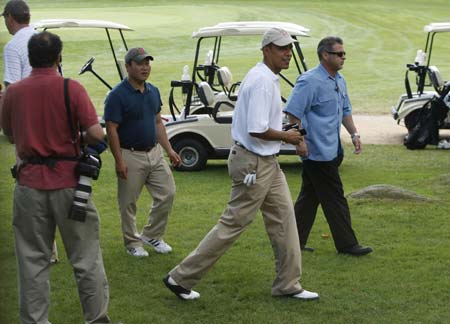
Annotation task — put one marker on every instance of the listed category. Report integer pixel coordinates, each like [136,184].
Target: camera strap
[69,115]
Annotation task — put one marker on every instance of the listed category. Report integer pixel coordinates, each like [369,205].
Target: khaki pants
[36,215]
[149,169]
[271,195]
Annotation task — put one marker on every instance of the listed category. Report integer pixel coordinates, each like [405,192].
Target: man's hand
[121,170]
[174,158]
[302,149]
[356,140]
[292,136]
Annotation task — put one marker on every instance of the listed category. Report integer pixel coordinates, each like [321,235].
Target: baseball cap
[137,54]
[277,36]
[16,8]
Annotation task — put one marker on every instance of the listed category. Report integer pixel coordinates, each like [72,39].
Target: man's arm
[114,145]
[301,148]
[349,125]
[94,135]
[291,136]
[163,140]
[5,118]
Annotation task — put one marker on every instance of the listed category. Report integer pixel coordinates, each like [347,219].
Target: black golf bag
[427,121]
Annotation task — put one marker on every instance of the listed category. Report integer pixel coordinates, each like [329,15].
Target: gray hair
[326,45]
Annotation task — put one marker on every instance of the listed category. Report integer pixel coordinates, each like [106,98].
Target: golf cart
[201,128]
[425,110]
[108,26]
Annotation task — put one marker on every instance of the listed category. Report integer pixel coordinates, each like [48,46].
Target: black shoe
[356,250]
[306,248]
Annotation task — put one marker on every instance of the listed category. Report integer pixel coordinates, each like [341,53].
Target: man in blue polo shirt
[320,103]
[135,128]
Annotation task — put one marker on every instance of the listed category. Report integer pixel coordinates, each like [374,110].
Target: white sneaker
[306,295]
[443,145]
[159,245]
[137,252]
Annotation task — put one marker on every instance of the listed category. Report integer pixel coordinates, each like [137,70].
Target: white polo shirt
[15,56]
[257,109]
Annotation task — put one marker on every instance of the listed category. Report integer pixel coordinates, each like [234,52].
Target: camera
[87,169]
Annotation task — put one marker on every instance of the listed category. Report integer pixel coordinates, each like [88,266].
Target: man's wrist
[354,135]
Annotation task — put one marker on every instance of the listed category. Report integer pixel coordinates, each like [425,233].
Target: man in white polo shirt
[15,52]
[257,180]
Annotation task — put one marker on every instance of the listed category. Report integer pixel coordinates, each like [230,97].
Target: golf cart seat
[207,97]
[206,94]
[226,82]
[436,78]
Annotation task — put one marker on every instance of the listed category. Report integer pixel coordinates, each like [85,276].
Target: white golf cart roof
[437,27]
[247,28]
[78,23]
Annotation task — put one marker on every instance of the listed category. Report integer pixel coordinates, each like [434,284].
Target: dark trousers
[322,185]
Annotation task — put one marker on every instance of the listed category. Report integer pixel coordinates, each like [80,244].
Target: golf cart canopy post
[88,23]
[432,29]
[242,28]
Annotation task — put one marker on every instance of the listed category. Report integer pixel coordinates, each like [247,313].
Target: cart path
[376,129]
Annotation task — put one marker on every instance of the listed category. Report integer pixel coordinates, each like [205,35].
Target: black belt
[49,161]
[139,149]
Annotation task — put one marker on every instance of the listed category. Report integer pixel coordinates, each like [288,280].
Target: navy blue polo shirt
[135,112]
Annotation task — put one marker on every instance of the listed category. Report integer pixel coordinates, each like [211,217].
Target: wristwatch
[354,135]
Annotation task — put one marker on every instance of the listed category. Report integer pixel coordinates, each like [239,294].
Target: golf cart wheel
[193,154]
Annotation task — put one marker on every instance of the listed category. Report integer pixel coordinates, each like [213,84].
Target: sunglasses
[340,54]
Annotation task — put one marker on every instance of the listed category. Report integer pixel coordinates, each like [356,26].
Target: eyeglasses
[340,54]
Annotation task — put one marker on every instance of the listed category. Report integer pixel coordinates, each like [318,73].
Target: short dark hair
[19,10]
[44,49]
[326,45]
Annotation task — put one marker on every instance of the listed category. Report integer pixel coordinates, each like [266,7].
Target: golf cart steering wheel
[87,66]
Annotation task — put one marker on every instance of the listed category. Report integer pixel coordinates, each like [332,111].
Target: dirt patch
[376,129]
[380,129]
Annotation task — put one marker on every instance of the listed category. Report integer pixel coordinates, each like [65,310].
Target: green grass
[404,281]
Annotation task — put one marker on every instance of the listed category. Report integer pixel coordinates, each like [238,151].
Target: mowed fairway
[406,279]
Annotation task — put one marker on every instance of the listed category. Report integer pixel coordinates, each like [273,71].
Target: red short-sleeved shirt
[34,114]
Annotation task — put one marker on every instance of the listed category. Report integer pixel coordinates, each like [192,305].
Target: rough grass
[405,280]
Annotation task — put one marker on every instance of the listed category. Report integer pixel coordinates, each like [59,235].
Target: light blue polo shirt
[320,101]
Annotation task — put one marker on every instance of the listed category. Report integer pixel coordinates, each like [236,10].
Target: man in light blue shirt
[319,103]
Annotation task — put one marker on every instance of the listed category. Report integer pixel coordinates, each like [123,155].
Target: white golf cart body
[410,103]
[201,130]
